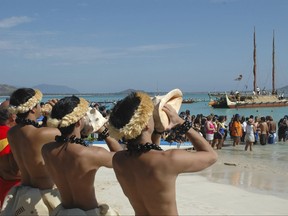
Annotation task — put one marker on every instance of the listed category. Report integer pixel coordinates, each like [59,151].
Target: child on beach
[146,173]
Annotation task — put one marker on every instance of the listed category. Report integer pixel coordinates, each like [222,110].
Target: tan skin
[73,168]
[263,128]
[272,126]
[26,142]
[149,180]
[8,166]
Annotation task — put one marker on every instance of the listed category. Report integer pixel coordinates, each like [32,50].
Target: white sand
[241,189]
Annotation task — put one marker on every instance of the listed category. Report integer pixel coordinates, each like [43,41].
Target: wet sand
[239,183]
[264,170]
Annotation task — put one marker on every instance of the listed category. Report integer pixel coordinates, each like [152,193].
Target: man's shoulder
[47,130]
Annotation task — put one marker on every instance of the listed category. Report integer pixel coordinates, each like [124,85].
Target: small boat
[255,100]
[163,144]
[187,101]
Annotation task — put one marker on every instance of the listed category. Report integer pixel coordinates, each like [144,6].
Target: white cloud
[14,21]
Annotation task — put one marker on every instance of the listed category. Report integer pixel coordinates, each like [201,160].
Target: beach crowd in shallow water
[241,129]
[261,129]
[49,170]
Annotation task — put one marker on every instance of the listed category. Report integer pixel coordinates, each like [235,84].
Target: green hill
[6,90]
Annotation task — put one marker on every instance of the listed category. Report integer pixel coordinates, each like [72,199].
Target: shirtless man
[272,127]
[146,173]
[37,193]
[264,131]
[9,171]
[72,164]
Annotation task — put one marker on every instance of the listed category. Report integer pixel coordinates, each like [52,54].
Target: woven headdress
[28,105]
[138,121]
[71,118]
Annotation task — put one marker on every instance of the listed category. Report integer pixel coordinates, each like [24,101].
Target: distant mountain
[6,90]
[55,89]
[283,90]
[128,91]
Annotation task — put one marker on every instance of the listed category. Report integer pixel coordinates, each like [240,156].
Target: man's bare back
[264,128]
[71,163]
[26,142]
[147,174]
[73,168]
[146,182]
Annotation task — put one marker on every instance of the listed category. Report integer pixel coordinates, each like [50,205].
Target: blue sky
[150,45]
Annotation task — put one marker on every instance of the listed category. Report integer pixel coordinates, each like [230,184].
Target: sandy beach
[239,183]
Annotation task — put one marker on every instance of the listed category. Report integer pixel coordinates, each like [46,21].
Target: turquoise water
[195,108]
[264,170]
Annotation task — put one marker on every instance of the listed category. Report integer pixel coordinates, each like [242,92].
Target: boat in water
[163,144]
[252,101]
[188,101]
[256,99]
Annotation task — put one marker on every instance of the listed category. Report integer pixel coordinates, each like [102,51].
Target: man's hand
[174,118]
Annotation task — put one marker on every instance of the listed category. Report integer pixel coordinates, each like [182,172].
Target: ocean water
[263,171]
[199,107]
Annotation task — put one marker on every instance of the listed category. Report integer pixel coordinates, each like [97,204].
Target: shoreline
[257,185]
[262,171]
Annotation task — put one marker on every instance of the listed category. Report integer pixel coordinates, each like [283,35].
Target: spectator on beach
[226,127]
[283,129]
[203,121]
[209,129]
[264,131]
[72,164]
[37,193]
[188,115]
[144,171]
[244,123]
[9,171]
[250,134]
[197,124]
[236,130]
[272,127]
[103,110]
[220,134]
[256,124]
[230,126]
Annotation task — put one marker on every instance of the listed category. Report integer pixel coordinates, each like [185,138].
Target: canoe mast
[254,58]
[273,67]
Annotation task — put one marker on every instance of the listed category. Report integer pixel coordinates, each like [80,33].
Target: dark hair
[123,111]
[21,96]
[221,118]
[4,115]
[63,107]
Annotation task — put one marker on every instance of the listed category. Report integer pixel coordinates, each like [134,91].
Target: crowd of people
[46,167]
[246,130]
